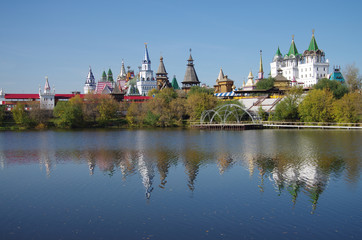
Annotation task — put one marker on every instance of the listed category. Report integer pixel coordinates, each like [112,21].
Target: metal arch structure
[224,112]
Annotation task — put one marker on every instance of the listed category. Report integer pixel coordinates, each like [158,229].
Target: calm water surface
[181,184]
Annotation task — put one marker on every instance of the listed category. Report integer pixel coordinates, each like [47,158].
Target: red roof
[36,96]
[21,96]
[136,97]
[67,96]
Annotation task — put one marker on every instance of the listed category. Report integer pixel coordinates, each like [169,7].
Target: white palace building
[303,69]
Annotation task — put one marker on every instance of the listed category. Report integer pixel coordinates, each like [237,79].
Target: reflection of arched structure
[227,113]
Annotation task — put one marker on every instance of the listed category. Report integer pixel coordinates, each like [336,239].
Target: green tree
[348,109]
[287,108]
[39,116]
[199,102]
[266,83]
[197,89]
[352,77]
[337,88]
[262,114]
[69,114]
[2,114]
[136,114]
[20,116]
[107,108]
[89,108]
[317,106]
[178,109]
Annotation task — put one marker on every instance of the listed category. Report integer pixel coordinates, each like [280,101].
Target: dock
[279,125]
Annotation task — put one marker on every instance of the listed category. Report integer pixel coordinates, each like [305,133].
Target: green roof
[110,76]
[104,76]
[174,83]
[313,44]
[293,49]
[278,53]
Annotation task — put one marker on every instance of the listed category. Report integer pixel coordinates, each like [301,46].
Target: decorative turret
[122,75]
[174,83]
[313,43]
[221,76]
[90,83]
[223,83]
[104,77]
[278,56]
[110,76]
[190,78]
[46,86]
[250,83]
[47,97]
[261,71]
[293,49]
[161,76]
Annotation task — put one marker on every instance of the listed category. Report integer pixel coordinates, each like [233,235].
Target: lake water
[181,184]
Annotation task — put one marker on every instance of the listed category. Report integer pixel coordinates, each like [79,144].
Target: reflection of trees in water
[224,162]
[164,159]
[294,175]
[192,160]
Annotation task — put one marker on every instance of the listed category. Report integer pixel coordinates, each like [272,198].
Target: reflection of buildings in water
[295,176]
[45,160]
[127,164]
[2,160]
[250,159]
[145,168]
[91,161]
[224,161]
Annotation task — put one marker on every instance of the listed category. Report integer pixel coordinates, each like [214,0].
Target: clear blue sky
[60,39]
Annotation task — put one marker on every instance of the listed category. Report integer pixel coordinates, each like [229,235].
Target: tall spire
[261,63]
[313,43]
[123,70]
[261,71]
[147,57]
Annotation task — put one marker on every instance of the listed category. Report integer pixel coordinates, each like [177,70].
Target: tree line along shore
[328,101]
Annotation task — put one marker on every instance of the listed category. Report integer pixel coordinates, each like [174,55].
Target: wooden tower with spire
[161,76]
[190,78]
